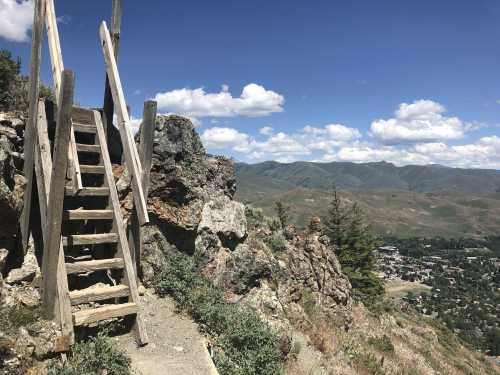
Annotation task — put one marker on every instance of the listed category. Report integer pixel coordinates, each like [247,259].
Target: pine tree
[354,246]
[336,219]
[283,213]
[9,70]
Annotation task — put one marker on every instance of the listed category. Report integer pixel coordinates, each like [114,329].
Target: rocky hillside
[291,279]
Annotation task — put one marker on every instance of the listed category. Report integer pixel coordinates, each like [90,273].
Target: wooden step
[94,265]
[88,214]
[98,294]
[81,147]
[88,191]
[92,169]
[89,239]
[84,128]
[103,313]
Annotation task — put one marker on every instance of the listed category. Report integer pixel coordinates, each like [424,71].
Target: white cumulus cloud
[16,18]
[266,130]
[220,138]
[254,101]
[421,121]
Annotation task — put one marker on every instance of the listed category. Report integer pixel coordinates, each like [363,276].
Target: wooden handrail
[57,67]
[52,247]
[43,169]
[34,89]
[130,150]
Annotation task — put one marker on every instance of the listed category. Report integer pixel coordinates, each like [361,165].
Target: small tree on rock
[354,246]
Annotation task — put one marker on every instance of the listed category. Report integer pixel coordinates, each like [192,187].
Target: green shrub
[362,359]
[254,216]
[276,242]
[244,345]
[97,355]
[384,344]
[14,317]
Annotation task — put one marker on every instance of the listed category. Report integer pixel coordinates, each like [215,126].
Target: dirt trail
[175,347]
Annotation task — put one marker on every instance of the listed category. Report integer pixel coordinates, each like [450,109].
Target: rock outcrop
[193,211]
[11,180]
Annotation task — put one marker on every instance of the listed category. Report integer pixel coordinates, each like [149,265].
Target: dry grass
[393,343]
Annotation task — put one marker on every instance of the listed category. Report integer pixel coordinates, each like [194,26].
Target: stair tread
[92,169]
[89,239]
[82,147]
[88,191]
[94,265]
[88,214]
[102,313]
[84,128]
[98,294]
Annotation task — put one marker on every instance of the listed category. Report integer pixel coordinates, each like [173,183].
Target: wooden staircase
[97,279]
[94,237]
[88,274]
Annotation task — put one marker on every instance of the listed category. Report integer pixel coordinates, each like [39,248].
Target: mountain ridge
[426,178]
[404,201]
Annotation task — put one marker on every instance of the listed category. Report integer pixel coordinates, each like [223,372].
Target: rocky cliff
[193,211]
[292,279]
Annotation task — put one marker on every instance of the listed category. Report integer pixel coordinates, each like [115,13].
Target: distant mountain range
[382,175]
[411,200]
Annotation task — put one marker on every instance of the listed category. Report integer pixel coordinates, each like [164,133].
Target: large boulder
[190,195]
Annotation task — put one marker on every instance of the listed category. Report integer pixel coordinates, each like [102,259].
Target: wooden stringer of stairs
[111,251]
[101,281]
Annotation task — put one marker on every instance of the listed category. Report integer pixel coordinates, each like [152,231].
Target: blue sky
[411,82]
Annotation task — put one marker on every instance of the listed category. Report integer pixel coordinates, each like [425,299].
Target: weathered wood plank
[54,46]
[89,239]
[88,148]
[56,193]
[82,115]
[101,313]
[145,152]
[108,108]
[92,169]
[43,168]
[98,294]
[129,148]
[57,69]
[130,277]
[94,265]
[88,214]
[88,192]
[83,128]
[146,141]
[34,89]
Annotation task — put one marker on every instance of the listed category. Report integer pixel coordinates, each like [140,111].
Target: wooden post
[108,108]
[34,89]
[129,148]
[146,141]
[56,195]
[146,153]
[43,169]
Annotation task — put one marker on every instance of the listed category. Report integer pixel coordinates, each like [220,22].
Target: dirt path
[175,345]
